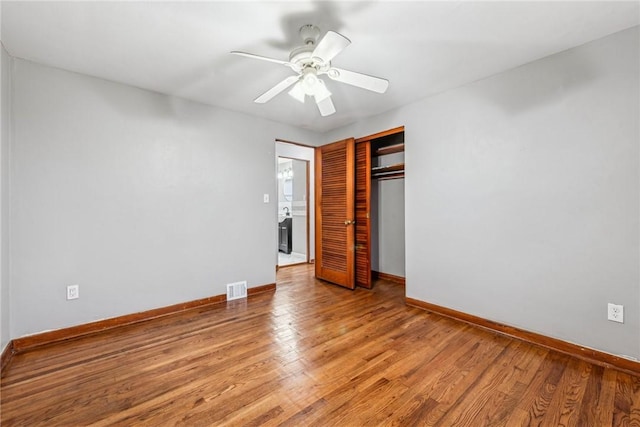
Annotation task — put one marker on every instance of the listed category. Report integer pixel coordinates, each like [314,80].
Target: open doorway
[293,218]
[294,183]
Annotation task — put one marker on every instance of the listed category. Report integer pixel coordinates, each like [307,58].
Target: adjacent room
[320,213]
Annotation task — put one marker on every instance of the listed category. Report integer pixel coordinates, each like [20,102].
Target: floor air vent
[236,290]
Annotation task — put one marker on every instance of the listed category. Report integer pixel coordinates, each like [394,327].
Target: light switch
[266,198]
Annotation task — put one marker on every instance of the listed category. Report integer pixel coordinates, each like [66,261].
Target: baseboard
[260,289]
[294,265]
[6,355]
[37,340]
[386,276]
[588,354]
[278,267]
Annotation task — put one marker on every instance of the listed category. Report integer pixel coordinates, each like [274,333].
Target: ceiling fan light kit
[297,93]
[312,60]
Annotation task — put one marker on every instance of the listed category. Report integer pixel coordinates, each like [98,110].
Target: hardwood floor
[311,354]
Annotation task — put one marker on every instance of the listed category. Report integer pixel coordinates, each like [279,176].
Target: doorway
[293,212]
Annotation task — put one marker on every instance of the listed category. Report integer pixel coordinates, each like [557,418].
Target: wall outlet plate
[73,292]
[615,313]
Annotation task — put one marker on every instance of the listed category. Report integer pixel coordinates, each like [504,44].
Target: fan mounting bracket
[309,34]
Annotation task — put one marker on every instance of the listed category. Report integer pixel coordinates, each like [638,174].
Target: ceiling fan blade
[262,58]
[325,106]
[375,84]
[276,89]
[330,45]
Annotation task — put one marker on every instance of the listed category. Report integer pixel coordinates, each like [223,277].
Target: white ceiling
[182,48]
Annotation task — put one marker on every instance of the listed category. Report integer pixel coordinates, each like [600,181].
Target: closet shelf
[393,175]
[388,172]
[390,168]
[389,149]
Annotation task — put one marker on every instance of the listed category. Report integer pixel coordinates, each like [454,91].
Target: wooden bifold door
[343,204]
[335,212]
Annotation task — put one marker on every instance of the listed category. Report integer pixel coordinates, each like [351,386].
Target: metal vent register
[236,290]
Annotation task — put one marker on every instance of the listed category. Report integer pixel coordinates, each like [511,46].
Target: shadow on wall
[516,93]
[122,99]
[325,15]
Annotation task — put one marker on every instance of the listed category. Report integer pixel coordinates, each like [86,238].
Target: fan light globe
[297,92]
[309,82]
[321,92]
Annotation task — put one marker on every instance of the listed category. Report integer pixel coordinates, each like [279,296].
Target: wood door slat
[362,209]
[334,213]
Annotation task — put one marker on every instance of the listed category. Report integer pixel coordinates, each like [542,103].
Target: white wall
[387,227]
[142,199]
[303,153]
[282,201]
[522,194]
[299,207]
[5,138]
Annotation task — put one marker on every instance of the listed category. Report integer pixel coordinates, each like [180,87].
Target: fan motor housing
[301,55]
[303,59]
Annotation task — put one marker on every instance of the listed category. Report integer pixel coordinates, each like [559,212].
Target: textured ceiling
[182,48]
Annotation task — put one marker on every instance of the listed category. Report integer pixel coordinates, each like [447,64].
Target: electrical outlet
[73,292]
[615,313]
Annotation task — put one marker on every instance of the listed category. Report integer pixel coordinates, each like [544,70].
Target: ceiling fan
[312,60]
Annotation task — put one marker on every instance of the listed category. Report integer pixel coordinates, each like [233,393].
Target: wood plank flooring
[310,354]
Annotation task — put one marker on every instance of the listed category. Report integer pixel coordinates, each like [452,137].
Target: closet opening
[379,247]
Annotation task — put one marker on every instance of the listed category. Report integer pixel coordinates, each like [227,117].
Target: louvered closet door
[335,213]
[362,209]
